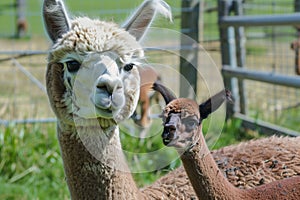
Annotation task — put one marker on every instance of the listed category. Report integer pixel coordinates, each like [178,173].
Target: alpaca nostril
[169,133]
[102,87]
[105,87]
[165,135]
[119,87]
[171,129]
[110,86]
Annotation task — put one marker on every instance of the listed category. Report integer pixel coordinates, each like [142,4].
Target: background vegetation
[31,166]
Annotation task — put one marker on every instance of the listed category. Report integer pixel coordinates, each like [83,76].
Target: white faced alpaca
[93,83]
[92,79]
[104,55]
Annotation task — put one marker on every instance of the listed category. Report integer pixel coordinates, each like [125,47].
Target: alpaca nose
[168,134]
[109,85]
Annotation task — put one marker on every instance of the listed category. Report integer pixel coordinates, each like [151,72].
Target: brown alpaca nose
[168,134]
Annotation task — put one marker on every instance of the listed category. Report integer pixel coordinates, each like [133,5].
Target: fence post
[228,54]
[21,18]
[201,20]
[240,54]
[295,45]
[189,50]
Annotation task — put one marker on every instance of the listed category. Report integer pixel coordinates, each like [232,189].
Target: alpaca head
[182,117]
[92,68]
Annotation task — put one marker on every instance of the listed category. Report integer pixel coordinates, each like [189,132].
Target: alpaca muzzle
[169,134]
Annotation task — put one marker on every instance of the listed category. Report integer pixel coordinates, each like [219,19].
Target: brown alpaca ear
[167,95]
[214,103]
[138,24]
[56,19]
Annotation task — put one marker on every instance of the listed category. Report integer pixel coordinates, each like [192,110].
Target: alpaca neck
[103,174]
[207,180]
[209,183]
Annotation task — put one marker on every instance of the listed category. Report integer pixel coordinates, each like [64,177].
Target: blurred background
[30,163]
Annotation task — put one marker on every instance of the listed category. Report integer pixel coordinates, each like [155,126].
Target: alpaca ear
[212,104]
[142,18]
[167,94]
[56,19]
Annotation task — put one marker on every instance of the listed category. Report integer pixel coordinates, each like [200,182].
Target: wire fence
[273,53]
[268,57]
[23,96]
[268,49]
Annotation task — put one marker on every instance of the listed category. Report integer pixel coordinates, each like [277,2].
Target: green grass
[104,9]
[290,118]
[150,166]
[234,133]
[117,11]
[31,166]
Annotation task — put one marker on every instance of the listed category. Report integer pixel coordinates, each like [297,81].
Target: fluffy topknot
[186,107]
[88,35]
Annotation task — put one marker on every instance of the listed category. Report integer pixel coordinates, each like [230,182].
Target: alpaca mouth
[169,134]
[102,101]
[170,140]
[166,141]
[105,113]
[103,107]
[105,104]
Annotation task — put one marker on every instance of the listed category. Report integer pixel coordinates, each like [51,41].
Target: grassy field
[116,10]
[31,166]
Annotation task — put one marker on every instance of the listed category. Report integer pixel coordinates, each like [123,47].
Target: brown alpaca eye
[190,124]
[73,65]
[128,67]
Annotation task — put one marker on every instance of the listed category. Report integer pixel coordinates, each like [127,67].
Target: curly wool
[246,165]
[87,35]
[256,162]
[186,107]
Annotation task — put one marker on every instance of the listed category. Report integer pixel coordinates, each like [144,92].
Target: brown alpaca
[148,76]
[22,28]
[295,45]
[183,130]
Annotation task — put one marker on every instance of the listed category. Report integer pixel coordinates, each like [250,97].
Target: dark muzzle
[168,134]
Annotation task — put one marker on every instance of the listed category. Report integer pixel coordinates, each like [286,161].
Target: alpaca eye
[128,67]
[73,65]
[190,124]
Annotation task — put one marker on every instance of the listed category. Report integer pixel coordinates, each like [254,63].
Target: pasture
[30,162]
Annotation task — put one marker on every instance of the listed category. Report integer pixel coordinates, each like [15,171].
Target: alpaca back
[261,161]
[246,165]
